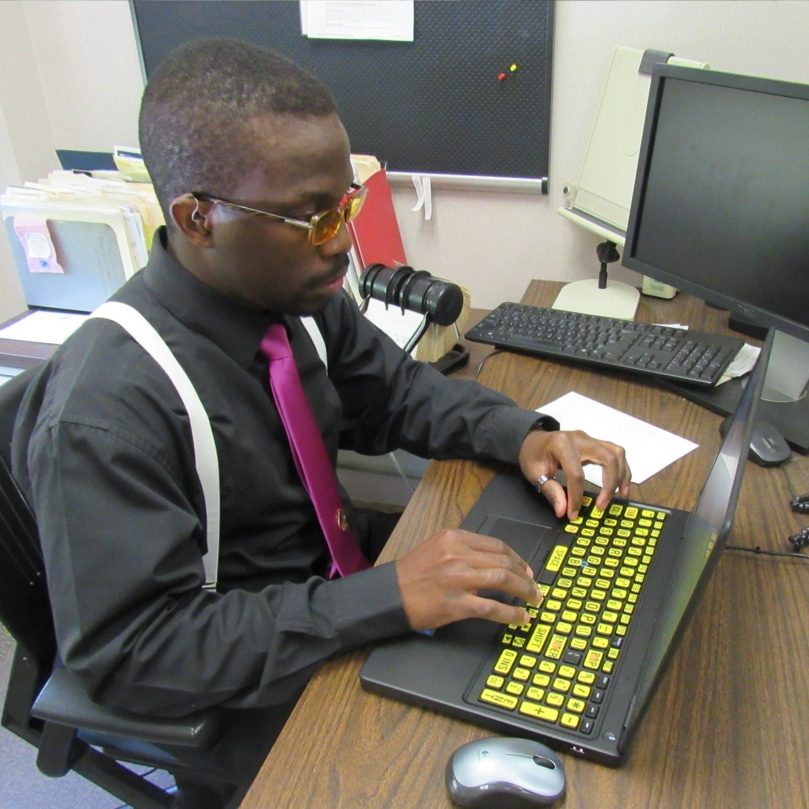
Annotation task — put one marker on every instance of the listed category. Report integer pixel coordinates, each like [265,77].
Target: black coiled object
[414,290]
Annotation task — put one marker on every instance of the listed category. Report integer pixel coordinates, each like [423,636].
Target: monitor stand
[785,400]
[598,297]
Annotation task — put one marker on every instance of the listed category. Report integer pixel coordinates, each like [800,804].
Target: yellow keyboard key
[569,720]
[539,712]
[556,647]
[505,661]
[498,699]
[555,558]
[538,638]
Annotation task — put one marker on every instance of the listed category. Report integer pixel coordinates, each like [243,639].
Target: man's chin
[314,302]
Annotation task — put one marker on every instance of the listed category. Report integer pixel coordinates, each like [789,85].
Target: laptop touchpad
[527,539]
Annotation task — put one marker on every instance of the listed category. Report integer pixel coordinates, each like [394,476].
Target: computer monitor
[720,207]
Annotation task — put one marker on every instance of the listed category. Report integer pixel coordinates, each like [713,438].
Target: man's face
[302,167]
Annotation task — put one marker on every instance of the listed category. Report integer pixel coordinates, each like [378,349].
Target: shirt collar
[236,328]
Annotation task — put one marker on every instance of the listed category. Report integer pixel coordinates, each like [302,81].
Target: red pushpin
[502,76]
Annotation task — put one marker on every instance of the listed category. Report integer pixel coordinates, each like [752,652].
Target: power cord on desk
[486,359]
[799,540]
[759,551]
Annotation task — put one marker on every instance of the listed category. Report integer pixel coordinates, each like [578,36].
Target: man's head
[223,120]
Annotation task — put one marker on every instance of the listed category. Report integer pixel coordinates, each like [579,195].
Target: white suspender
[317,338]
[205,456]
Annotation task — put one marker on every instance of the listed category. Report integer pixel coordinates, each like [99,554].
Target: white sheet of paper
[44,327]
[390,319]
[390,20]
[648,448]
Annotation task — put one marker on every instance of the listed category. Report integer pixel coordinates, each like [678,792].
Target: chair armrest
[64,701]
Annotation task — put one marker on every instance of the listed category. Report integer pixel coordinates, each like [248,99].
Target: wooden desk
[22,354]
[729,724]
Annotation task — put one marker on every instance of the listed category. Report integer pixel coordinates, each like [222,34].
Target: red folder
[375,231]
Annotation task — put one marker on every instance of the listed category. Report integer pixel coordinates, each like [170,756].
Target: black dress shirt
[103,451]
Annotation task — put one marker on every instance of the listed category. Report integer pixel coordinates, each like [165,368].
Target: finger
[616,475]
[554,492]
[492,610]
[486,550]
[570,450]
[504,578]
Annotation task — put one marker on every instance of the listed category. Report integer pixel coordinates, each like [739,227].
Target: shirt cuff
[547,423]
[368,606]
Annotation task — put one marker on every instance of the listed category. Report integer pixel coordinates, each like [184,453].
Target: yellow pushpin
[514,68]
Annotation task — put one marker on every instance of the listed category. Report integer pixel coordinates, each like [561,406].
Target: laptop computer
[619,589]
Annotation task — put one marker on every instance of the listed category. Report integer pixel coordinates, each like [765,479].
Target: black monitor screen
[721,201]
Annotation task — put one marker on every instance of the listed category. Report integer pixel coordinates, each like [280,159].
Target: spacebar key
[533,343]
[552,564]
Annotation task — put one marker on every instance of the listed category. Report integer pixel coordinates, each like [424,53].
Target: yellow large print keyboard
[557,669]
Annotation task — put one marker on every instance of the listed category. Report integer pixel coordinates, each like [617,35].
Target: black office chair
[45,705]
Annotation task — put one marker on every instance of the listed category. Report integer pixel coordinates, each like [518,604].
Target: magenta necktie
[309,453]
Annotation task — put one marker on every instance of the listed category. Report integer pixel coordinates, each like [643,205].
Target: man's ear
[190,216]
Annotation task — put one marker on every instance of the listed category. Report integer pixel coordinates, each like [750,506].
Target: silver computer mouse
[505,773]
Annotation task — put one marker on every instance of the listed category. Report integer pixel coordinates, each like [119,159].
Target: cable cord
[759,551]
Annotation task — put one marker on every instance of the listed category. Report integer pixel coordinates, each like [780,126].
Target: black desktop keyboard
[687,356]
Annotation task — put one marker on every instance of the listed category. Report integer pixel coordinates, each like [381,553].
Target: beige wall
[70,76]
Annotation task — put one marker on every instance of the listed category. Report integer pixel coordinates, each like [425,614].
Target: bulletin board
[469,97]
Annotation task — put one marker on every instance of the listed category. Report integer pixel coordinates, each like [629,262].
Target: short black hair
[195,114]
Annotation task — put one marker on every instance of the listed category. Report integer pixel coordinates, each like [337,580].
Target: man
[103,448]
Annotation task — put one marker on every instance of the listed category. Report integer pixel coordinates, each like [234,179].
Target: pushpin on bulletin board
[504,74]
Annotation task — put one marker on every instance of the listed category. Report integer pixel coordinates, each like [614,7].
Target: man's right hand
[440,580]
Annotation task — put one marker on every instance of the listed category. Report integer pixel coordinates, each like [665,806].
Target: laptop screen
[705,531]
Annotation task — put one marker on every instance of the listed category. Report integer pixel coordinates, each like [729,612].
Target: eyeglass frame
[355,190]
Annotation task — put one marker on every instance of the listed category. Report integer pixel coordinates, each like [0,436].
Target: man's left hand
[543,454]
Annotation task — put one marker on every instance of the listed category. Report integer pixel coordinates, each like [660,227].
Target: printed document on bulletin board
[388,20]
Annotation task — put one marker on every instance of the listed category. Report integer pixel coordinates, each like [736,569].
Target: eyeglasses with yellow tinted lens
[322,226]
